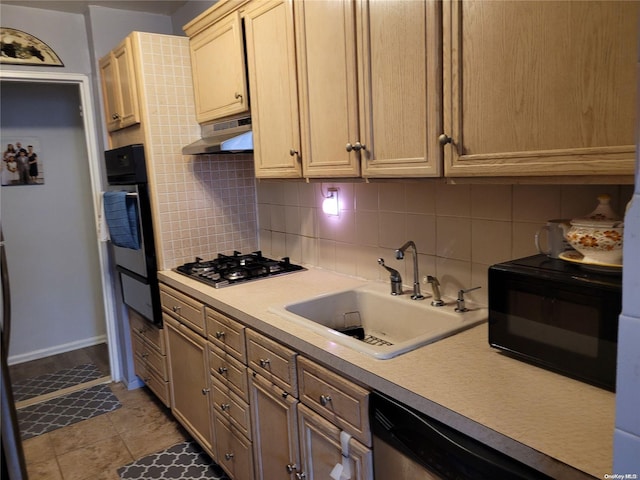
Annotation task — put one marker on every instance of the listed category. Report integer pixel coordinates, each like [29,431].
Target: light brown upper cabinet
[218,63]
[369,88]
[118,78]
[271,63]
[539,88]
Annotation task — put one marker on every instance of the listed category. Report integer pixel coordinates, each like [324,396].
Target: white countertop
[557,425]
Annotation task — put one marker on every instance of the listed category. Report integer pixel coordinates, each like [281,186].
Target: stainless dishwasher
[410,445]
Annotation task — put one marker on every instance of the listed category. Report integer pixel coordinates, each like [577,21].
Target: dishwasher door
[410,445]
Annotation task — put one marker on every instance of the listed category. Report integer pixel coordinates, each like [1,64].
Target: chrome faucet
[394,277]
[416,276]
[437,297]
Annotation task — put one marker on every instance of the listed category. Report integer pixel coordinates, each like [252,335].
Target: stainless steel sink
[371,321]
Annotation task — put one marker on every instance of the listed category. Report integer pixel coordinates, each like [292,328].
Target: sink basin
[372,321]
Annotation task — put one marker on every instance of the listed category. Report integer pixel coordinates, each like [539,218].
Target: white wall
[49,229]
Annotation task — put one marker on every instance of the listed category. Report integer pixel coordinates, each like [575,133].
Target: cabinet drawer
[229,371]
[228,405]
[273,361]
[226,333]
[234,451]
[149,332]
[157,385]
[337,399]
[150,356]
[183,308]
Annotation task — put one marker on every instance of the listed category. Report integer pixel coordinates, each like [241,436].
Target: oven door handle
[133,275]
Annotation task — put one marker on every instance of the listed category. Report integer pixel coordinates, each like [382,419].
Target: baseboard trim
[55,350]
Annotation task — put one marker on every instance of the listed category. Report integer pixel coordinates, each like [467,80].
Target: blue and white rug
[52,382]
[184,461]
[66,410]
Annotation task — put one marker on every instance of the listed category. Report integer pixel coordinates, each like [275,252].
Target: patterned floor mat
[51,382]
[66,410]
[184,461]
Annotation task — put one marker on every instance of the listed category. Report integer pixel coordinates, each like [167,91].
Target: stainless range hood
[233,136]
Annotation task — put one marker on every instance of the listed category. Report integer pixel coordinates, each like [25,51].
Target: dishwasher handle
[440,448]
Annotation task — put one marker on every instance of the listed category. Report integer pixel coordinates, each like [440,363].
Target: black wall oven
[557,315]
[126,172]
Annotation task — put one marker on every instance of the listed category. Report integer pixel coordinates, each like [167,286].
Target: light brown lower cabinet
[290,439]
[321,448]
[274,421]
[234,450]
[188,367]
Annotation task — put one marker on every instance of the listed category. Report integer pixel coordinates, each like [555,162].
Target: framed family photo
[21,162]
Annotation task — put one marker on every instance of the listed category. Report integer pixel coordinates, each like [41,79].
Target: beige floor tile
[96,459]
[82,434]
[135,414]
[39,449]
[153,437]
[45,470]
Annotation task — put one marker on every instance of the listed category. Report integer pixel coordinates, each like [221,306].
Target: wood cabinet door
[400,83]
[234,451]
[540,88]
[271,63]
[327,72]
[129,109]
[321,448]
[274,419]
[187,355]
[110,92]
[218,65]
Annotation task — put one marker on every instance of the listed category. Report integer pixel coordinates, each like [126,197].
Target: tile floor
[94,449]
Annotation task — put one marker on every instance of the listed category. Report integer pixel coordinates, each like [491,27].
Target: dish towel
[122,218]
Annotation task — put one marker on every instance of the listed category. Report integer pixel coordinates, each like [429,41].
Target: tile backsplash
[459,230]
[204,204]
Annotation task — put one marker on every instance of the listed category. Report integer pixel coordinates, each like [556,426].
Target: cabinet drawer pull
[141,331]
[324,400]
[264,362]
[356,147]
[220,335]
[444,139]
[145,355]
[222,370]
[225,407]
[176,308]
[205,391]
[292,467]
[228,456]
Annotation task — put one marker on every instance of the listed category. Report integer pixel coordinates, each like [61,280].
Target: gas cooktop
[226,270]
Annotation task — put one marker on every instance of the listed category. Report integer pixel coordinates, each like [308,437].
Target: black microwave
[559,315]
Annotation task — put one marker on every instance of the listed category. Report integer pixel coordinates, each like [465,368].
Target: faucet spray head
[399,254]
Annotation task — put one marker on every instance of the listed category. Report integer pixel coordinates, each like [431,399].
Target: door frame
[93,156]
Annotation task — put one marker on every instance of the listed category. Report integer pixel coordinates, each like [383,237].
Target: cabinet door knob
[145,354]
[325,399]
[176,308]
[115,116]
[293,152]
[220,335]
[292,467]
[222,370]
[228,456]
[264,362]
[356,147]
[444,139]
[238,96]
[225,407]
[205,391]
[301,476]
